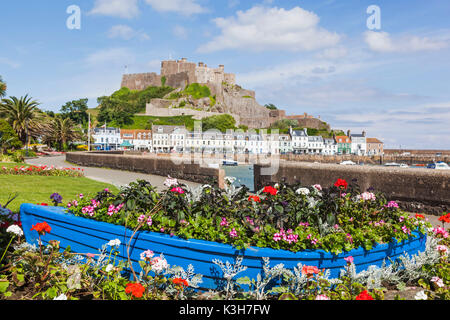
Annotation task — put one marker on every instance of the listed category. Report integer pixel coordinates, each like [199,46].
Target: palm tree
[60,131]
[20,114]
[2,88]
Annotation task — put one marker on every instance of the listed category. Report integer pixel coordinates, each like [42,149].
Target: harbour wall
[416,190]
[150,164]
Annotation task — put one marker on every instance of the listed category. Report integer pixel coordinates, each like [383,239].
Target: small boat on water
[230,163]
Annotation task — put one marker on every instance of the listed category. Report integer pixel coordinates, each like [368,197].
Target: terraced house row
[168,139]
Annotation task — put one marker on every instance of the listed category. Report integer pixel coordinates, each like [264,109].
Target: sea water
[244,175]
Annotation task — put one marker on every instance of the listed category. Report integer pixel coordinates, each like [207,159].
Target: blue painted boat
[87,236]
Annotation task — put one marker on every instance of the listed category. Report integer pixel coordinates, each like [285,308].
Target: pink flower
[349,260]
[318,187]
[177,190]
[440,231]
[147,255]
[276,237]
[224,222]
[141,218]
[406,230]
[392,204]
[149,221]
[322,297]
[233,233]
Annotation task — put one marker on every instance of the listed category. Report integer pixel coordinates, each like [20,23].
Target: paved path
[117,178]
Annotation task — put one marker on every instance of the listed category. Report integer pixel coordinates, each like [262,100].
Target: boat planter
[87,236]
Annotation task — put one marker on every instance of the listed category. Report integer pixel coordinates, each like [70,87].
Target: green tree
[60,132]
[8,137]
[284,124]
[20,114]
[271,106]
[115,110]
[2,88]
[76,111]
[220,122]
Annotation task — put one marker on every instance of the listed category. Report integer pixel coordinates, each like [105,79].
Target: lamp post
[26,133]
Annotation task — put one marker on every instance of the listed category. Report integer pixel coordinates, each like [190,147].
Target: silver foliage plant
[408,268]
[229,272]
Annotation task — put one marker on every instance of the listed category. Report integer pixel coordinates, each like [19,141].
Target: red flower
[42,228]
[180,281]
[43,204]
[270,190]
[340,183]
[310,270]
[420,216]
[364,296]
[445,218]
[135,289]
[254,198]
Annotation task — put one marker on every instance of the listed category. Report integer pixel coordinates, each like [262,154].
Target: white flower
[442,249]
[114,243]
[230,180]
[171,182]
[109,268]
[318,187]
[206,186]
[15,229]
[61,297]
[159,264]
[366,196]
[421,296]
[276,186]
[438,281]
[304,191]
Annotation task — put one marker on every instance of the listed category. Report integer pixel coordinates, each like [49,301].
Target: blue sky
[314,56]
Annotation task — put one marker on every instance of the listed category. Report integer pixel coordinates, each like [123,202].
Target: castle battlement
[179,74]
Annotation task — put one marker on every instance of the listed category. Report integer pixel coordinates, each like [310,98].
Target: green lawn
[37,189]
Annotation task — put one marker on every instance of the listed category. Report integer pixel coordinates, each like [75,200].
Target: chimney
[348,133]
[364,133]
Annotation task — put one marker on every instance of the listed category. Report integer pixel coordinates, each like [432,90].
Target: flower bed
[42,171]
[288,224]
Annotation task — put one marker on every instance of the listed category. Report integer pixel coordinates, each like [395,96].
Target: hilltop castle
[229,97]
[179,74]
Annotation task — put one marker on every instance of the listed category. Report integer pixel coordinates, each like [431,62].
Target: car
[348,163]
[442,166]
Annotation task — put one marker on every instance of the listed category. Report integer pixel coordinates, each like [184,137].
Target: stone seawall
[416,190]
[160,166]
[409,160]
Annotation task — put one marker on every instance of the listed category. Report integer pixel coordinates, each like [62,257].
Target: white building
[359,143]
[330,147]
[299,140]
[285,144]
[107,138]
[315,144]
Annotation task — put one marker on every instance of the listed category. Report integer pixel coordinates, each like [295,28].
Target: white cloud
[184,7]
[383,42]
[116,8]
[264,29]
[125,32]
